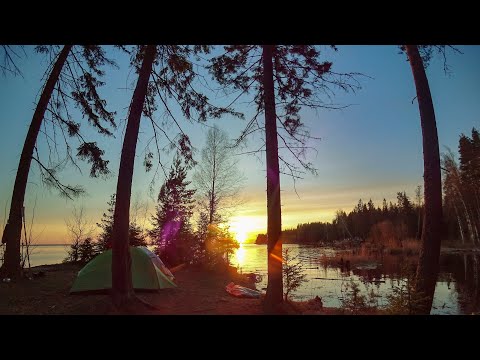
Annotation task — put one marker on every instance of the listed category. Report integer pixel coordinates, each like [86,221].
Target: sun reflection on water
[240,255]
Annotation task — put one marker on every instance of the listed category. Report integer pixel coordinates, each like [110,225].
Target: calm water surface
[48,254]
[457,291]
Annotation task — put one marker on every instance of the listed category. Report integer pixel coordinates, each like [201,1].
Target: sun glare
[241,236]
[241,227]
[240,255]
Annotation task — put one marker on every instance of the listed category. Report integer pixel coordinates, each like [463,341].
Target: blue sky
[372,148]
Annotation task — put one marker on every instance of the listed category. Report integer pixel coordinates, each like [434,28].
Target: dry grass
[407,247]
[347,259]
[370,257]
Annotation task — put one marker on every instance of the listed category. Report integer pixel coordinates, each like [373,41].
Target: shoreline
[198,292]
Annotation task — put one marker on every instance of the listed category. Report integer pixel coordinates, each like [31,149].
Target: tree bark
[122,286]
[274,293]
[427,270]
[467,217]
[460,228]
[12,233]
[419,222]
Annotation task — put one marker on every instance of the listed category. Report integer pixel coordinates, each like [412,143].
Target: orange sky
[371,149]
[250,219]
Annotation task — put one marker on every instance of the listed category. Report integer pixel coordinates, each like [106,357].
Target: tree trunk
[419,223]
[428,265]
[13,229]
[460,228]
[122,286]
[274,216]
[475,231]
[477,207]
[467,218]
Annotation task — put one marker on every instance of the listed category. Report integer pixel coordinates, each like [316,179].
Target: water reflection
[463,271]
[457,290]
[240,256]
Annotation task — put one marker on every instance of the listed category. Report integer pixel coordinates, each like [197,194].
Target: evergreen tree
[428,265]
[469,150]
[165,72]
[87,251]
[461,190]
[171,222]
[199,249]
[73,77]
[104,241]
[384,207]
[135,235]
[454,198]
[371,206]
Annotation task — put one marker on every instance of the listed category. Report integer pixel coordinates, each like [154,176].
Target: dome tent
[148,272]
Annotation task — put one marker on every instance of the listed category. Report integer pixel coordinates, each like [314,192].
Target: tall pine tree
[428,264]
[165,72]
[74,75]
[171,222]
[283,79]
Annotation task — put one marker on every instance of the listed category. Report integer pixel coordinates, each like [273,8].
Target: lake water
[457,290]
[47,254]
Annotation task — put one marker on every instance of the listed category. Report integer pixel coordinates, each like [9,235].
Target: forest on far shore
[403,220]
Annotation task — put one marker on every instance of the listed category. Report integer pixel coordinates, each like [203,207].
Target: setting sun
[239,231]
[244,227]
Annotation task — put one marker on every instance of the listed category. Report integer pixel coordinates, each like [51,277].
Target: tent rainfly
[148,272]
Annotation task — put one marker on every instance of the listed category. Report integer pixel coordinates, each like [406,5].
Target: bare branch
[50,179]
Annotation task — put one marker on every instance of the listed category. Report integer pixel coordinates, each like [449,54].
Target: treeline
[401,220]
[461,189]
[404,218]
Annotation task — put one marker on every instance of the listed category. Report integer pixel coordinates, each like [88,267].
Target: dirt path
[198,293]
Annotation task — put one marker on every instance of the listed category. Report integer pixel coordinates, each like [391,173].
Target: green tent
[148,272]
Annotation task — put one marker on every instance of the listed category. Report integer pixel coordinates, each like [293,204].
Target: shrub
[293,273]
